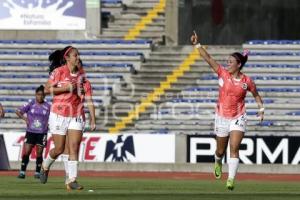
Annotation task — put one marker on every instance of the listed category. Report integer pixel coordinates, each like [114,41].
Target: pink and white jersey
[66,104]
[232,94]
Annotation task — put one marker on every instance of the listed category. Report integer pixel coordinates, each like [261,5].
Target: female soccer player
[230,121]
[65,116]
[86,90]
[37,114]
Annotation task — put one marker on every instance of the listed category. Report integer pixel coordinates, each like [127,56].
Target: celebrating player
[230,120]
[65,116]
[87,95]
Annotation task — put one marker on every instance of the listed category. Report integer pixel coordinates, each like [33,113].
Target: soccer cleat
[218,170]
[74,185]
[37,175]
[230,184]
[21,176]
[44,175]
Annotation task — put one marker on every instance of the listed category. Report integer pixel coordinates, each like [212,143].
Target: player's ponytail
[55,60]
[241,58]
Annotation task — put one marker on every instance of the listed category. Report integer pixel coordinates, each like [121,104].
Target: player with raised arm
[230,120]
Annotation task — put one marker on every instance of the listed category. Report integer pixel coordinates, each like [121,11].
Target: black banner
[253,150]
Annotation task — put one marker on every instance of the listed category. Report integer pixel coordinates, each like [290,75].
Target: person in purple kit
[37,114]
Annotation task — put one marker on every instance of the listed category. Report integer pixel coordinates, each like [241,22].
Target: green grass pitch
[145,189]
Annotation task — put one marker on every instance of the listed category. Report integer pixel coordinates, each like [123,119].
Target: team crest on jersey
[245,86]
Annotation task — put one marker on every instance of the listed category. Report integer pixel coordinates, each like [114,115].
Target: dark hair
[39,89]
[57,58]
[241,58]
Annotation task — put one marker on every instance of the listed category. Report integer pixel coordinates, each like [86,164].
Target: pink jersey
[88,93]
[232,94]
[66,104]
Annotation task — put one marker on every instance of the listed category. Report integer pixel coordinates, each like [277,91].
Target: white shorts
[224,126]
[59,124]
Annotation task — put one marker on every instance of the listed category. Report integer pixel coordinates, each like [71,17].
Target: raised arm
[204,54]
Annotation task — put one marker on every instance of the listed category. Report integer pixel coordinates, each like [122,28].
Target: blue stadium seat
[34,87]
[24,64]
[266,123]
[208,89]
[291,78]
[86,53]
[296,113]
[251,113]
[271,66]
[111,1]
[23,76]
[67,42]
[86,65]
[268,42]
[9,110]
[274,53]
[266,101]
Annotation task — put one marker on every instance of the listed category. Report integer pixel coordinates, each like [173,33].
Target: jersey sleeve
[54,77]
[25,108]
[221,71]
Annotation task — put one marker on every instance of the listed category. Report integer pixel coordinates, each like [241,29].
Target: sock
[39,161]
[48,162]
[24,163]
[73,169]
[65,159]
[218,159]
[233,164]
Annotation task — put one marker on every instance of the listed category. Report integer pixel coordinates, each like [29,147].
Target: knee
[220,152]
[59,150]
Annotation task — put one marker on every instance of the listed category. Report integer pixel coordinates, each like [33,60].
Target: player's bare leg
[74,137]
[222,143]
[233,162]
[59,142]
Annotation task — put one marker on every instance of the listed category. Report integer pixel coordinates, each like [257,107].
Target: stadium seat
[294,113]
[268,42]
[115,41]
[272,65]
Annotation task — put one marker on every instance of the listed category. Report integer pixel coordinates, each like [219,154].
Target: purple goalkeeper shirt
[37,115]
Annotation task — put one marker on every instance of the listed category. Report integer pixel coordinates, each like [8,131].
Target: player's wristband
[198,45]
[262,109]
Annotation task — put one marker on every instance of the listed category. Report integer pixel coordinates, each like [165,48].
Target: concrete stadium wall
[93,28]
[234,22]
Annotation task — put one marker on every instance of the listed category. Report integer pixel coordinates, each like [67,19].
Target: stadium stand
[124,71]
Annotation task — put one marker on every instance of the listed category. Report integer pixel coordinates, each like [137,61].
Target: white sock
[233,164]
[218,159]
[65,159]
[73,170]
[48,162]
